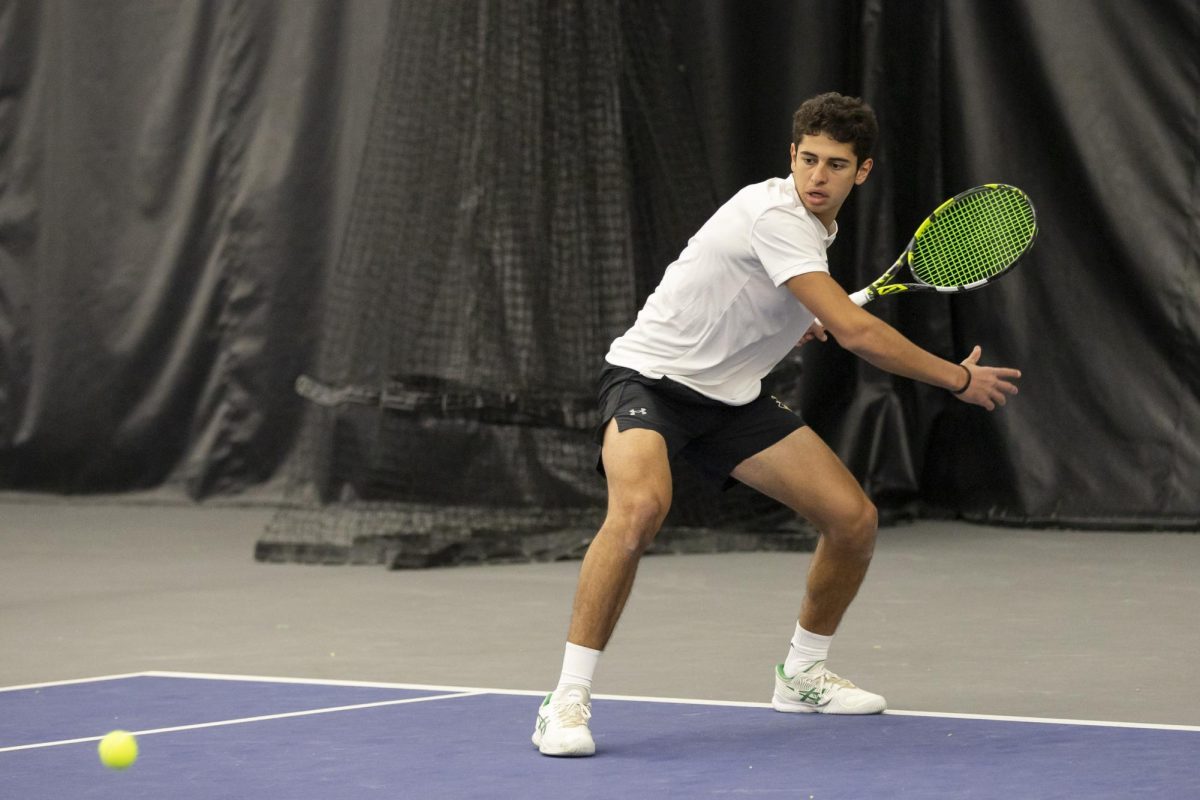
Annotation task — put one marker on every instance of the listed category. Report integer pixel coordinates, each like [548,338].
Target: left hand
[990,387]
[815,331]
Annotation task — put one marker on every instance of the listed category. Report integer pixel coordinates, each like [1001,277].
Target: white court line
[73,681]
[672,700]
[423,687]
[463,691]
[243,720]
[214,676]
[1047,720]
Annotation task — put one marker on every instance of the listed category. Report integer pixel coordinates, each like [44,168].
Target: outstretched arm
[881,345]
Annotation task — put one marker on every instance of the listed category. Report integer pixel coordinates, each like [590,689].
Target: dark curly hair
[846,119]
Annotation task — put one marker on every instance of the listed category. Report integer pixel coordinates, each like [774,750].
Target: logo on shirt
[634,412]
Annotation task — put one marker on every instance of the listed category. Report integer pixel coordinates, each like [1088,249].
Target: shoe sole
[537,742]
[573,754]
[788,707]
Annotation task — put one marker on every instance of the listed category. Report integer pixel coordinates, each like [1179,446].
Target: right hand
[815,331]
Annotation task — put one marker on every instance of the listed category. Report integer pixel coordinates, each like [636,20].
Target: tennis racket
[966,243]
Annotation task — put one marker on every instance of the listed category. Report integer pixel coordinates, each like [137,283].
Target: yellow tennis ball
[118,750]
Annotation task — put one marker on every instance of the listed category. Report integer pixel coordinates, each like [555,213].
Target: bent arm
[882,346]
[869,337]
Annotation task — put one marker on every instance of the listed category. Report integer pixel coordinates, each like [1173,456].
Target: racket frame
[883,286]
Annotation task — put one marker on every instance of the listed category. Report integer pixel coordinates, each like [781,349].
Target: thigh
[803,473]
[636,466]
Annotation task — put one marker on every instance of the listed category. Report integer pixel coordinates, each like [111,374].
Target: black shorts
[714,436]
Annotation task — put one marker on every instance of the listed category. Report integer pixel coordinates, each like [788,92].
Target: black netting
[530,170]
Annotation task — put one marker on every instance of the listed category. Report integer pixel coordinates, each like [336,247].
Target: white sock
[579,665]
[806,649]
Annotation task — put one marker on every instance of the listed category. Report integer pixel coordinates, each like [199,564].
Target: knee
[856,527]
[634,520]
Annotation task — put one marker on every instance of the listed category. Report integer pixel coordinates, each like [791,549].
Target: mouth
[816,197]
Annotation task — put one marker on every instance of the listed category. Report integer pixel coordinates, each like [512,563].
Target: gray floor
[953,617]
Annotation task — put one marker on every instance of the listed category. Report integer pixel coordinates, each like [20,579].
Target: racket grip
[861,297]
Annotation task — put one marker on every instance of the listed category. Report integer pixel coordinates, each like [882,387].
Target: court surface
[989,639]
[237,737]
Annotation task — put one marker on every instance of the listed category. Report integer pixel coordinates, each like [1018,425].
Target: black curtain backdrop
[176,181]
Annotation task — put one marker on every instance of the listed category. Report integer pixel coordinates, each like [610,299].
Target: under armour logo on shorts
[633,412]
[779,403]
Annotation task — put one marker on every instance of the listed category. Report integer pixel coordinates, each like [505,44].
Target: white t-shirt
[722,318]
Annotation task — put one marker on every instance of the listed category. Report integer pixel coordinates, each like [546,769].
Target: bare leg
[833,580]
[804,474]
[639,495]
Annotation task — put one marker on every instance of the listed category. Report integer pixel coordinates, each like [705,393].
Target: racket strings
[977,237]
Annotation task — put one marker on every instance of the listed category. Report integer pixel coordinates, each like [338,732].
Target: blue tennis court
[234,737]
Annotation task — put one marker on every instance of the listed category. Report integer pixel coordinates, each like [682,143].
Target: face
[825,170]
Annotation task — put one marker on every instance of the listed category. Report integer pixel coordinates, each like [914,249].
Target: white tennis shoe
[562,723]
[816,690]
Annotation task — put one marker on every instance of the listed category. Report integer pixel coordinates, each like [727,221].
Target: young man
[686,380]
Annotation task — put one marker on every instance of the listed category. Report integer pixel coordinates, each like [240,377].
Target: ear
[864,169]
[793,155]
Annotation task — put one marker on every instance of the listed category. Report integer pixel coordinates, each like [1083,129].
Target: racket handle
[861,297]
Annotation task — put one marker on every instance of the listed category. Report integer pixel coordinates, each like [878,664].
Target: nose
[819,175]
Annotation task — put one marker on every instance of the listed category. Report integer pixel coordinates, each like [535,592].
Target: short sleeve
[787,244]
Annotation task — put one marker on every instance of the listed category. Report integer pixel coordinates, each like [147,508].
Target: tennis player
[685,380]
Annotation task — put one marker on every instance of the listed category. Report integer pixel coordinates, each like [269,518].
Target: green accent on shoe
[812,697]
